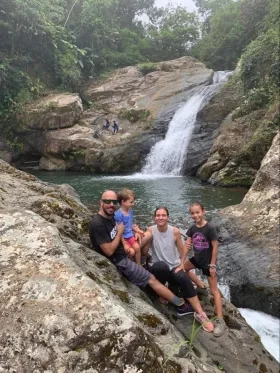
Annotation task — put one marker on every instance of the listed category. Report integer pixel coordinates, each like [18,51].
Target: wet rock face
[255,222]
[238,151]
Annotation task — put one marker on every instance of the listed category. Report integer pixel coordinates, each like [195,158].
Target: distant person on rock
[106,239]
[132,235]
[203,237]
[115,127]
[106,125]
[168,259]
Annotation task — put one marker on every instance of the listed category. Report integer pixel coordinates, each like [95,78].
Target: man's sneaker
[203,319]
[202,291]
[220,327]
[185,309]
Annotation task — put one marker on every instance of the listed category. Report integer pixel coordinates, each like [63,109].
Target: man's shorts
[130,240]
[205,269]
[135,273]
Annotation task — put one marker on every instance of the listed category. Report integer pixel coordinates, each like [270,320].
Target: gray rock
[237,152]
[52,112]
[255,223]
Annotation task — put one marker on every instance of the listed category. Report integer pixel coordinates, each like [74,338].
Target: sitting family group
[114,235]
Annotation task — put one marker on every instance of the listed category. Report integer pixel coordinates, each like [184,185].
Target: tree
[228,29]
[172,34]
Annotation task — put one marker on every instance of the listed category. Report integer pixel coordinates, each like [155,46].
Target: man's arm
[181,248]
[110,247]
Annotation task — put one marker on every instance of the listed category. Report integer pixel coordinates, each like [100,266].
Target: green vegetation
[244,32]
[73,153]
[149,320]
[133,115]
[189,343]
[147,67]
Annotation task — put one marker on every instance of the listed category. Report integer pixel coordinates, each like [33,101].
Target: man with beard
[105,236]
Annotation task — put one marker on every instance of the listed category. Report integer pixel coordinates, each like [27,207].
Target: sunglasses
[109,201]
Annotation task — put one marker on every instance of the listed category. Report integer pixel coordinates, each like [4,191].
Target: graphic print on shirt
[200,242]
[113,233]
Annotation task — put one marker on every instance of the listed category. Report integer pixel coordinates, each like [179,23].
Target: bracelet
[212,266]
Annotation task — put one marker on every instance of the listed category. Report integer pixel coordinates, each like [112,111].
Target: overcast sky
[187,3]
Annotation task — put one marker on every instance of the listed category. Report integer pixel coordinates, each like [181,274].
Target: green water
[176,193]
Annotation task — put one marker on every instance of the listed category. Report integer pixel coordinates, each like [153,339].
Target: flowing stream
[168,155]
[268,327]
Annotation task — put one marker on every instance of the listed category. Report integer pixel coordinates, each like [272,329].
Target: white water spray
[167,156]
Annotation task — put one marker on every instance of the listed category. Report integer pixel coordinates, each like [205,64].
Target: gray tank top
[164,248]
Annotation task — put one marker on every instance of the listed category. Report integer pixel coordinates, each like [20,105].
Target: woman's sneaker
[203,319]
[185,309]
[220,327]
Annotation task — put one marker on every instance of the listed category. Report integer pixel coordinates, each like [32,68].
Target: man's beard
[109,215]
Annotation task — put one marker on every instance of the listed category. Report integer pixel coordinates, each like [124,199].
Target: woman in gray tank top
[168,258]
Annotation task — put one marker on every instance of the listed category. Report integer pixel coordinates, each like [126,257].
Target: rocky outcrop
[251,251]
[65,308]
[61,136]
[52,112]
[59,205]
[238,151]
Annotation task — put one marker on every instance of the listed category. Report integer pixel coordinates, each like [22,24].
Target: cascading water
[168,155]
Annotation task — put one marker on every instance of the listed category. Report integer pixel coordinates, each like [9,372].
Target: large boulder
[129,89]
[56,204]
[61,315]
[52,112]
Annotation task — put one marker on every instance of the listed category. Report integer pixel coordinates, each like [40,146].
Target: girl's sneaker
[220,327]
[203,319]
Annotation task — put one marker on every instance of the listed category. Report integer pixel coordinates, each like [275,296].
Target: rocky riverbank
[64,308]
[250,249]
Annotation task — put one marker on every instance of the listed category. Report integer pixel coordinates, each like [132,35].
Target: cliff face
[241,145]
[65,308]
[251,251]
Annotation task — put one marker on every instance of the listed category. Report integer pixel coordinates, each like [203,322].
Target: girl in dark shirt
[202,236]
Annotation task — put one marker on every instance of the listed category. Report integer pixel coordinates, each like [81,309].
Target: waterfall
[168,155]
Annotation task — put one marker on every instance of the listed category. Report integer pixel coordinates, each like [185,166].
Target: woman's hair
[125,194]
[161,208]
[197,204]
